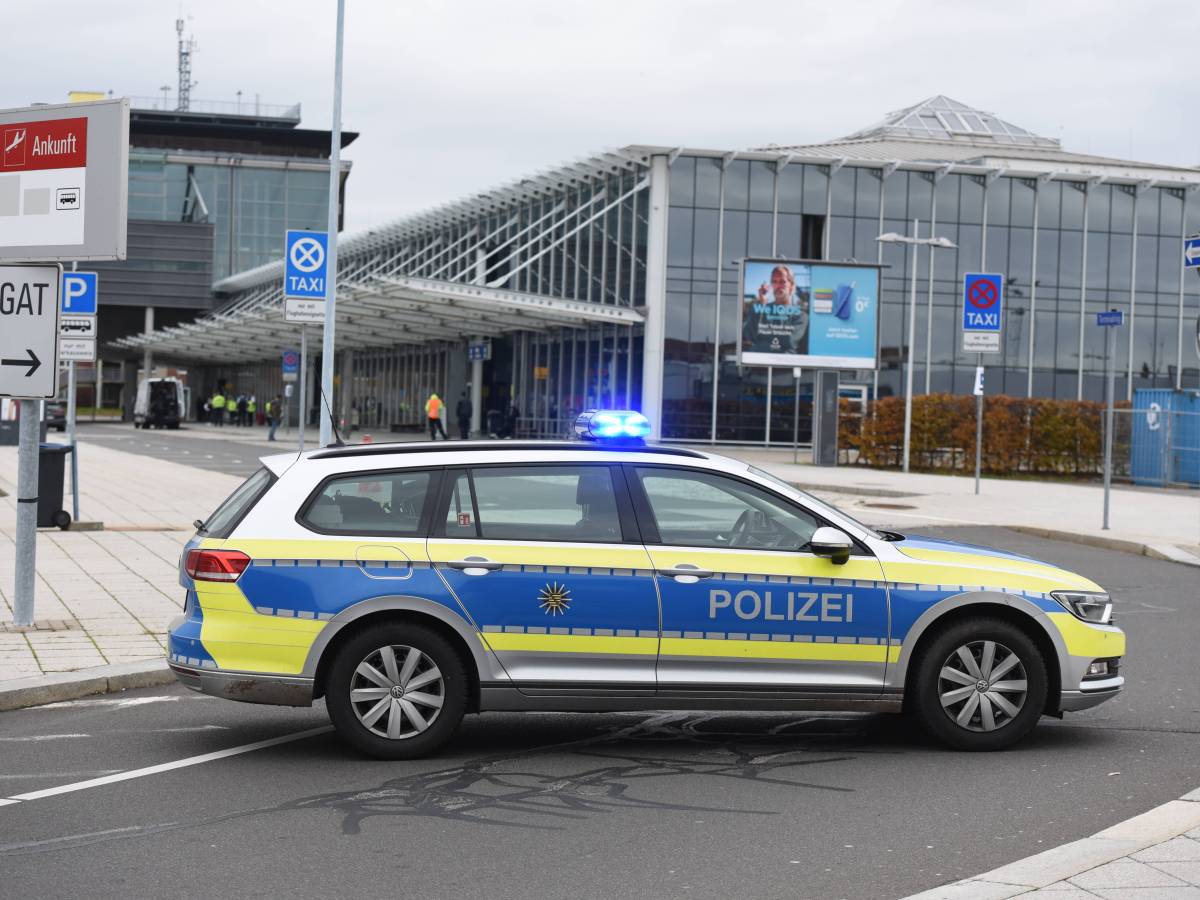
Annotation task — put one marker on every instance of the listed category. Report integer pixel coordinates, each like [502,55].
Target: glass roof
[942,119]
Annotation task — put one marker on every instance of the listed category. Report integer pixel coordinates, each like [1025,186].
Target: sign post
[1108,320]
[63,196]
[77,329]
[305,283]
[29,372]
[982,332]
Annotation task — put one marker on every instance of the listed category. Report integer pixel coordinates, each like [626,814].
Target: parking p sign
[983,312]
[79,294]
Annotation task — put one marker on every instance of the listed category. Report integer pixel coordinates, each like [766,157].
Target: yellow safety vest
[217,402]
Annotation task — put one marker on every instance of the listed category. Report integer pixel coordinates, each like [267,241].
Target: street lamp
[934,243]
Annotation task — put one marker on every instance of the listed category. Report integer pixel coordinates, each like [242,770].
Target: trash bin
[51,463]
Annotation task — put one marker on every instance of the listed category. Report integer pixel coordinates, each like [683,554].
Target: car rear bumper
[247,687]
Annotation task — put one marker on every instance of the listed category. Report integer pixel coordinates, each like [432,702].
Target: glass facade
[1097,246]
[250,206]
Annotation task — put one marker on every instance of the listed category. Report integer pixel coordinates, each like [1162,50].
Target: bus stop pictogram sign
[983,312]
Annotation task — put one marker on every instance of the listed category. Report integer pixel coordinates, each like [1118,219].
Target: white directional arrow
[1191,254]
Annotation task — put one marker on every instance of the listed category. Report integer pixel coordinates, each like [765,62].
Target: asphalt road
[562,805]
[231,456]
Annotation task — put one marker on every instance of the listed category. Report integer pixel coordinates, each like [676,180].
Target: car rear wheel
[980,685]
[396,691]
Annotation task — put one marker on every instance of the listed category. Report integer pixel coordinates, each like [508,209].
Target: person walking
[241,410]
[433,411]
[218,408]
[463,412]
[274,410]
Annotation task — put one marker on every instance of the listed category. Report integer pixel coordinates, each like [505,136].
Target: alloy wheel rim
[397,692]
[982,686]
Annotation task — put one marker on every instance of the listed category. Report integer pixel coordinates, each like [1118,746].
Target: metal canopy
[441,275]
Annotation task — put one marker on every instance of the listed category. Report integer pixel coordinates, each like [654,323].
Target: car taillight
[216,565]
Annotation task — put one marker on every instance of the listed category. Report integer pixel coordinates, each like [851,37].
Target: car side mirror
[832,544]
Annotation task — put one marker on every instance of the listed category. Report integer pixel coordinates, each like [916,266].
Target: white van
[160,403]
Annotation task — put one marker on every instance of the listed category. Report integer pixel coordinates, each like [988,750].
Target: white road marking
[43,737]
[91,774]
[122,703]
[164,767]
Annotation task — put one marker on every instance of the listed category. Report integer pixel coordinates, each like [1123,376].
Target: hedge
[1035,436]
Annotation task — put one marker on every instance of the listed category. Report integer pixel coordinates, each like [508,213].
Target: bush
[1035,436]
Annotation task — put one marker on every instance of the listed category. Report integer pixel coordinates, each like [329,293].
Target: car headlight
[1088,606]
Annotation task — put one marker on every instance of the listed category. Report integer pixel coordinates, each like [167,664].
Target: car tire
[980,684]
[360,678]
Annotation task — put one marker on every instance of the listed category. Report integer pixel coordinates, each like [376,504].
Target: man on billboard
[775,317]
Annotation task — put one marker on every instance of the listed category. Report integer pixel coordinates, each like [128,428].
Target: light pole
[934,243]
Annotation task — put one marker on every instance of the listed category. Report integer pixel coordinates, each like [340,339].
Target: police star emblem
[554,599]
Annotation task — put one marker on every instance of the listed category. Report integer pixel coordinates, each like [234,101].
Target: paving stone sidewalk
[104,596]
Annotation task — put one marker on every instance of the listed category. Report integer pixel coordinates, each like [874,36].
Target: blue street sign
[1110,317]
[479,351]
[305,258]
[1191,251]
[80,293]
[291,362]
[983,302]
[983,312]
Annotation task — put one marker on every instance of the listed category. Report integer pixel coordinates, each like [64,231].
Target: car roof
[403,454]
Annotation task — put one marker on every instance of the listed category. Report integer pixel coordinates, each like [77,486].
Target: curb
[1166,552]
[22,692]
[1060,863]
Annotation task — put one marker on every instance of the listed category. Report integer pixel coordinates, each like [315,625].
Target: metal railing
[222,107]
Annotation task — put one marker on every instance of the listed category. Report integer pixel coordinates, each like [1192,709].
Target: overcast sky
[454,97]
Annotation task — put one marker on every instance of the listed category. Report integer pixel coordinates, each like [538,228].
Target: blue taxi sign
[305,260]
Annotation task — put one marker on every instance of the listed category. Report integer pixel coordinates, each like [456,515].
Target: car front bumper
[1093,693]
[246,687]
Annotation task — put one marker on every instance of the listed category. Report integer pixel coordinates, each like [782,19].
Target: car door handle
[686,574]
[480,565]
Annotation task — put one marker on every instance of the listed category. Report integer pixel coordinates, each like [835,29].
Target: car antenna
[337,438]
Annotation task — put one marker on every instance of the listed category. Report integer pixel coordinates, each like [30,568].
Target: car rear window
[383,503]
[222,522]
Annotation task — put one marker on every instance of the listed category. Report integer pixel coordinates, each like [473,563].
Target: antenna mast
[185,68]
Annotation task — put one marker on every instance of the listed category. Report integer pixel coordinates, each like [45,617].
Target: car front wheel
[396,691]
[980,685]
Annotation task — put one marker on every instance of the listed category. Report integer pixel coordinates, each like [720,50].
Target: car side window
[705,509]
[535,503]
[384,503]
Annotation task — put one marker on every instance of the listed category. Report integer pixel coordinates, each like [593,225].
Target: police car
[411,584]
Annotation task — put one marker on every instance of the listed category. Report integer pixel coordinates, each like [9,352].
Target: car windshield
[812,502]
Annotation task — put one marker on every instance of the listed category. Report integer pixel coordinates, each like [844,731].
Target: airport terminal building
[614,280]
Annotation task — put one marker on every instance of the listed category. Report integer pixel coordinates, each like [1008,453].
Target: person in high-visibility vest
[231,408]
[217,405]
[433,410]
[251,409]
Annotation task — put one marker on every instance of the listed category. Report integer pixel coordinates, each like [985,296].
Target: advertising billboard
[811,314]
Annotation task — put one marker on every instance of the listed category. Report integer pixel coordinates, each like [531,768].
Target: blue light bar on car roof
[612,426]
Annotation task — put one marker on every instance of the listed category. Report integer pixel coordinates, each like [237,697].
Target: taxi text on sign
[29,298]
[64,182]
[983,312]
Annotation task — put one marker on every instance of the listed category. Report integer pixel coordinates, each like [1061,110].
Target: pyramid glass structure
[942,119]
